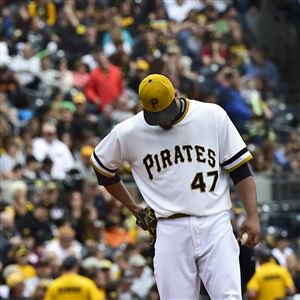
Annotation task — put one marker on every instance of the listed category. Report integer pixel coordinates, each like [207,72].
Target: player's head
[157,95]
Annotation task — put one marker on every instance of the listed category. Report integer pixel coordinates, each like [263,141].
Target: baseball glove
[146,219]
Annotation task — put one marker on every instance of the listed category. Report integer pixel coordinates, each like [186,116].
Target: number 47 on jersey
[200,178]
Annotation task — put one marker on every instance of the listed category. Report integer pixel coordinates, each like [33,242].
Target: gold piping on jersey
[98,170]
[187,106]
[240,163]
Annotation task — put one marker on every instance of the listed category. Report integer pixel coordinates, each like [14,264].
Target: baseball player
[182,153]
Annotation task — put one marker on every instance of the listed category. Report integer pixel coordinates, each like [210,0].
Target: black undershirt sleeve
[240,173]
[104,180]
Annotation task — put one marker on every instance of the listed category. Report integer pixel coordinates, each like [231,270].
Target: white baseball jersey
[181,170]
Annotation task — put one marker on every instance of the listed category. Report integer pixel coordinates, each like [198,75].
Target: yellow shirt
[270,281]
[27,271]
[72,287]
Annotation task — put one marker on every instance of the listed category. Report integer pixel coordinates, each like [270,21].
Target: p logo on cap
[157,95]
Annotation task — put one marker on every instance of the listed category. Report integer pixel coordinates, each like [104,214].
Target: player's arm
[247,192]
[119,191]
[106,159]
[115,186]
[234,157]
[245,186]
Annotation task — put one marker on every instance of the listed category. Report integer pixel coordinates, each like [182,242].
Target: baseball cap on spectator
[79,98]
[142,65]
[173,49]
[157,95]
[13,279]
[86,151]
[137,260]
[95,263]
[50,186]
[26,232]
[21,251]
[13,268]
[68,106]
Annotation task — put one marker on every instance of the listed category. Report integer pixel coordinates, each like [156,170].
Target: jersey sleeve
[108,155]
[233,150]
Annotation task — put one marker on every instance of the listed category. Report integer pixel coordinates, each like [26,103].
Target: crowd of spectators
[69,71]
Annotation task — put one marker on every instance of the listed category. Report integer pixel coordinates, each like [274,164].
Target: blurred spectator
[231,100]
[30,171]
[74,212]
[37,224]
[15,282]
[258,67]
[72,285]
[178,10]
[65,76]
[270,281]
[92,230]
[19,205]
[213,53]
[8,234]
[49,76]
[20,257]
[50,197]
[115,236]
[64,245]
[148,45]
[106,83]
[49,146]
[116,37]
[142,276]
[121,111]
[293,265]
[81,74]
[37,34]
[11,88]
[13,155]
[44,9]
[27,67]
[83,163]
[282,251]
[45,171]
[40,290]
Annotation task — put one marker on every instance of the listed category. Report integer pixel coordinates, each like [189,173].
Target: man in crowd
[71,285]
[270,281]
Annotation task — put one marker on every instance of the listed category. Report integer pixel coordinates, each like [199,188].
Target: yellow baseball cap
[157,95]
[14,278]
[86,150]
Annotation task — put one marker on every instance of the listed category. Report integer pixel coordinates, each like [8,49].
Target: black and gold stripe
[235,157]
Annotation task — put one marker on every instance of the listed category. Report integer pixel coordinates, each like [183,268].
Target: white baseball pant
[188,249]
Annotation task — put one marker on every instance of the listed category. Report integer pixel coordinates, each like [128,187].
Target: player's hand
[252,228]
[146,219]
